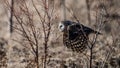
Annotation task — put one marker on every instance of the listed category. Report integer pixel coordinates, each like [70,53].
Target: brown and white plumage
[75,35]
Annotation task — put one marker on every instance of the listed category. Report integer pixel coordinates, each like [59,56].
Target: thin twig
[11,16]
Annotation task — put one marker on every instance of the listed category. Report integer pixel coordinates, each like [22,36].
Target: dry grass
[106,51]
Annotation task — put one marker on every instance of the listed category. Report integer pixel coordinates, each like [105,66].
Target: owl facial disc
[61,27]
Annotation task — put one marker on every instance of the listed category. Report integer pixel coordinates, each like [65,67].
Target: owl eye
[61,26]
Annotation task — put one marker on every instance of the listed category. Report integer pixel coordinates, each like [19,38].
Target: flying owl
[75,35]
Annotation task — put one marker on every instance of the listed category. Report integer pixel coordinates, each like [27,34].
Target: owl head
[63,25]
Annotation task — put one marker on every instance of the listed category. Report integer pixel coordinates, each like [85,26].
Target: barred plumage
[75,35]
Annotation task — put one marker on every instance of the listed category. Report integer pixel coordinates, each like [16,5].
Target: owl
[75,35]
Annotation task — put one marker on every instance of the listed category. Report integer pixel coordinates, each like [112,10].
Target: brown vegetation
[35,41]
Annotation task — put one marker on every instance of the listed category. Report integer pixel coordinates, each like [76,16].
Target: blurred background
[30,38]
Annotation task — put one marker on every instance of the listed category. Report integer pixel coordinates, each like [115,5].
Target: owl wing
[86,30]
[75,39]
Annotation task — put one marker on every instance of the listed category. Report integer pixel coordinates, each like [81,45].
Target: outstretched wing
[75,39]
[86,30]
